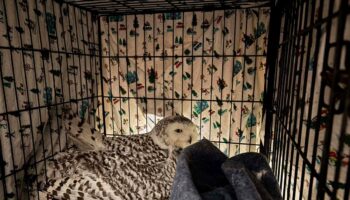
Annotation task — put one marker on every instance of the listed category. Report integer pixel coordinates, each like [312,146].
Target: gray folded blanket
[204,172]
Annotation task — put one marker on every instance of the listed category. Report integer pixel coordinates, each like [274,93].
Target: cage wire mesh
[49,59]
[208,66]
[123,66]
[310,96]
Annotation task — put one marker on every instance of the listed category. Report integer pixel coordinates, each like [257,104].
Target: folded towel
[204,172]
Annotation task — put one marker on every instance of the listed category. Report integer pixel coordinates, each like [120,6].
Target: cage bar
[60,53]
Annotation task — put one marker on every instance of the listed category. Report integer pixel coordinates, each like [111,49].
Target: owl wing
[131,168]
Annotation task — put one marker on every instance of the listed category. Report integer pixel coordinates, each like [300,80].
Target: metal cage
[306,90]
[307,98]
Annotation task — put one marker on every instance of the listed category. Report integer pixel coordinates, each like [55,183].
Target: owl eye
[178,130]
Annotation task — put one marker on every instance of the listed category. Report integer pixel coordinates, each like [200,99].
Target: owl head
[175,132]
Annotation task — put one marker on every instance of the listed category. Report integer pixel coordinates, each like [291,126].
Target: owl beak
[178,150]
[190,140]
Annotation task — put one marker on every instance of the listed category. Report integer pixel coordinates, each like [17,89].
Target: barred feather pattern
[131,167]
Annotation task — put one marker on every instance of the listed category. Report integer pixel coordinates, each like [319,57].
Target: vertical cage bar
[232,83]
[288,102]
[202,70]
[127,67]
[62,88]
[341,22]
[211,74]
[299,104]
[163,59]
[6,193]
[94,16]
[110,90]
[295,74]
[192,61]
[182,68]
[76,23]
[101,74]
[73,58]
[321,183]
[45,83]
[154,67]
[2,167]
[222,72]
[91,56]
[282,81]
[310,42]
[84,75]
[342,137]
[173,54]
[118,77]
[243,78]
[278,102]
[287,93]
[347,184]
[66,55]
[313,82]
[54,84]
[2,160]
[145,68]
[255,74]
[26,162]
[22,146]
[136,88]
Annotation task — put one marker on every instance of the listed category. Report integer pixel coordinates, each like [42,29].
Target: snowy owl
[127,167]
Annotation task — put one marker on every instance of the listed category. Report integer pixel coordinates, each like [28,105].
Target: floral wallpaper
[207,66]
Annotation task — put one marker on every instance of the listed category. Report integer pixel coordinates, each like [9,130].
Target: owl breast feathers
[127,167]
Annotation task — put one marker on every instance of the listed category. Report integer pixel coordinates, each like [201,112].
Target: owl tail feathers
[78,126]
[83,135]
[86,142]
